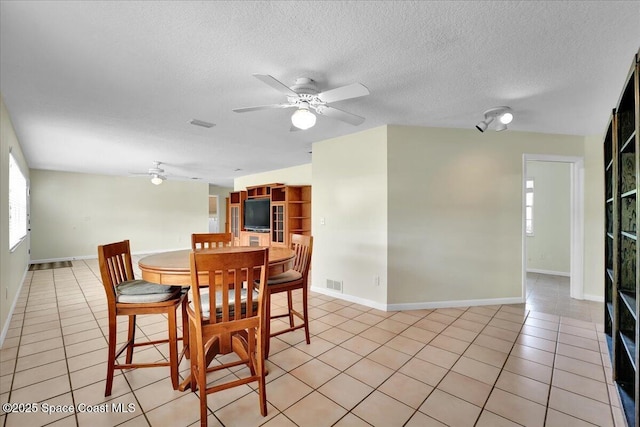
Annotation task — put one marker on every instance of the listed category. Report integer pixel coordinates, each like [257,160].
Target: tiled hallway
[484,366]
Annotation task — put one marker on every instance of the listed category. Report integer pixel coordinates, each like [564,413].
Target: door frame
[576,274]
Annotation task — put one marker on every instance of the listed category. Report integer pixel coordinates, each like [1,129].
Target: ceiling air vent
[202,123]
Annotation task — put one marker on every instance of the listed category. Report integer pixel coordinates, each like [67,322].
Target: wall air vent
[335,285]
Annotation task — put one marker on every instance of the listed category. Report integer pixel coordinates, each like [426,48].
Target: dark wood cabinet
[621,278]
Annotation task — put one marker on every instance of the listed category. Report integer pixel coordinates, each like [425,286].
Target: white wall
[13,264]
[549,249]
[436,213]
[350,195]
[71,213]
[455,212]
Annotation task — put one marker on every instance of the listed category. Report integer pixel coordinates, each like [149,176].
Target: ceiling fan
[157,174]
[305,97]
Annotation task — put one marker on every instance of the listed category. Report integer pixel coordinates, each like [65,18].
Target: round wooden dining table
[172,268]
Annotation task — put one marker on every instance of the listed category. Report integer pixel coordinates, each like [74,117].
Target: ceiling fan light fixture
[302,118]
[156,180]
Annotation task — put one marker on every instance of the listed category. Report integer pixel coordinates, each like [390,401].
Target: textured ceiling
[108,87]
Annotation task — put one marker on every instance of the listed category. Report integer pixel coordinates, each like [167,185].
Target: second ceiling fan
[306,98]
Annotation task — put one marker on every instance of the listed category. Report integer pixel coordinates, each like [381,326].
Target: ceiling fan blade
[262,107]
[354,90]
[276,84]
[336,113]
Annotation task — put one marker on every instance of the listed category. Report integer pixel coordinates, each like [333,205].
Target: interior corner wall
[73,213]
[349,212]
[549,248]
[594,218]
[455,211]
[295,175]
[222,193]
[13,264]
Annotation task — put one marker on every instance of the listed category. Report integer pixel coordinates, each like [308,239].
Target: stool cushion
[141,291]
[206,309]
[287,276]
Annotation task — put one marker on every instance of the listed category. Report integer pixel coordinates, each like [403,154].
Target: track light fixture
[504,116]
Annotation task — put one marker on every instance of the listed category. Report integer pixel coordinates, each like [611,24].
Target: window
[17,204]
[528,207]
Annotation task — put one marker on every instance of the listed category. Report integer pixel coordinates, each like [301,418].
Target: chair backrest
[243,268]
[210,240]
[302,246]
[115,267]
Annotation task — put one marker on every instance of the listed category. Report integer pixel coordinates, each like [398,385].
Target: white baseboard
[72,258]
[454,303]
[95,256]
[5,329]
[596,298]
[554,273]
[417,305]
[350,298]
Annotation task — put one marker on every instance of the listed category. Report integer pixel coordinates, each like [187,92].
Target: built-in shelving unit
[235,217]
[622,278]
[290,212]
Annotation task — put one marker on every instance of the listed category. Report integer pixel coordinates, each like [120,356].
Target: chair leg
[261,368]
[185,328]
[290,306]
[305,312]
[111,356]
[193,357]
[173,348]
[266,335]
[200,375]
[131,337]
[203,409]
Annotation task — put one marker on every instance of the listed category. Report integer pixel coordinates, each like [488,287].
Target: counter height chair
[228,320]
[295,278]
[210,240]
[127,296]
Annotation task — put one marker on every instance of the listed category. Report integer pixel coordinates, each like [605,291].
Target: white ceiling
[108,87]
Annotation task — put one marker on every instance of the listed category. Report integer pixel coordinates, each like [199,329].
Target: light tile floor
[550,294]
[475,366]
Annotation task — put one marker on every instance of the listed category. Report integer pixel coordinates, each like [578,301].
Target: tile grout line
[15,365]
[64,347]
[493,387]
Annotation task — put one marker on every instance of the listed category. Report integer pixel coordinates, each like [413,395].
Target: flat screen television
[256,215]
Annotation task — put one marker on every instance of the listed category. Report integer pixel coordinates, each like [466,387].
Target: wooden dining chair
[295,278]
[228,319]
[210,240]
[127,296]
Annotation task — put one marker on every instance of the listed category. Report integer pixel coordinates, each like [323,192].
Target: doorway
[214,223]
[575,194]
